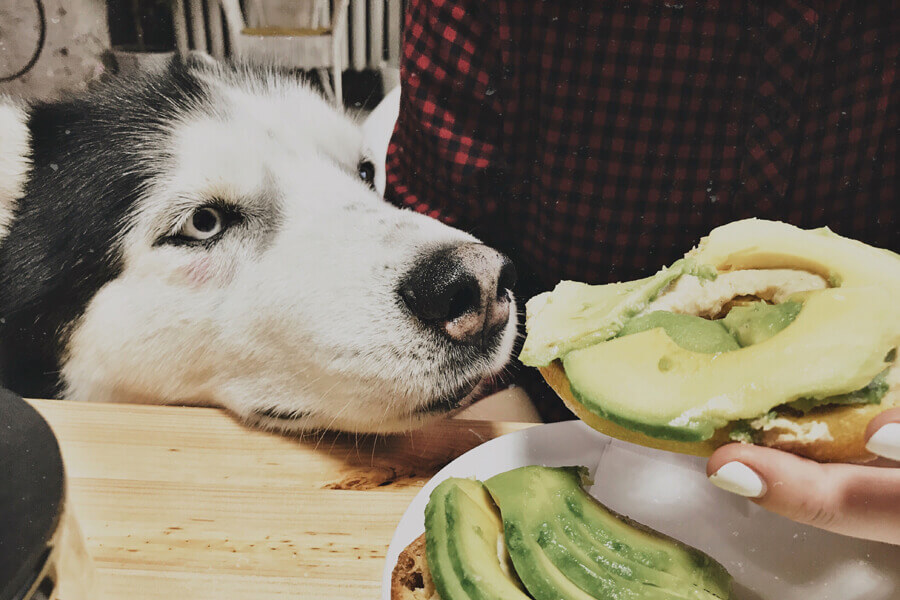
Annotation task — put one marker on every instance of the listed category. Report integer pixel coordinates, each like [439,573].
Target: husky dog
[209,234]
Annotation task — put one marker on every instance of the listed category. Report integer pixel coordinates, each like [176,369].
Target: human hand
[857,500]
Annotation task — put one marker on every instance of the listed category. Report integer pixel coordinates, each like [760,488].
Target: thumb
[855,500]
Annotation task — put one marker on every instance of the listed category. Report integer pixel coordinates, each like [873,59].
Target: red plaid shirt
[598,141]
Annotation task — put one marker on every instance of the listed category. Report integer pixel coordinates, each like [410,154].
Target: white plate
[771,558]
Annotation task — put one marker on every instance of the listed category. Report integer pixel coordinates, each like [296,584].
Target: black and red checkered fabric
[598,141]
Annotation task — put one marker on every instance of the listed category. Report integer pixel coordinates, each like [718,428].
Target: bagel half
[742,263]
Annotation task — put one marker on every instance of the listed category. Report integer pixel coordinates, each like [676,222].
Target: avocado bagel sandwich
[764,333]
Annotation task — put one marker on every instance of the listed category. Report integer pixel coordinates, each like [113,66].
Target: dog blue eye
[366,172]
[205,220]
[203,224]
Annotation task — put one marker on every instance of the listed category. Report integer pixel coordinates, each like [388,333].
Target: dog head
[209,234]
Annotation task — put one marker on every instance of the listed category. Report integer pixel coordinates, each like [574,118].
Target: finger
[883,434]
[854,500]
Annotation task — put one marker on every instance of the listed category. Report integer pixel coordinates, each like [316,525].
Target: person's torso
[633,129]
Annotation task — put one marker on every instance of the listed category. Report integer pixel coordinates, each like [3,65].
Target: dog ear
[377,130]
[15,158]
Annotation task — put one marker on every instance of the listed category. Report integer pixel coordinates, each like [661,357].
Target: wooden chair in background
[291,33]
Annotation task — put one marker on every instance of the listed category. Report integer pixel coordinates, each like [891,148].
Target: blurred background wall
[67,56]
[49,47]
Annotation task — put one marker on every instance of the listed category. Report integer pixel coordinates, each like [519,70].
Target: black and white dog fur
[209,234]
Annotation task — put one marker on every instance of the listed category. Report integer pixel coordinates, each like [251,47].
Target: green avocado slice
[576,558]
[576,315]
[759,321]
[446,579]
[599,551]
[871,394]
[689,332]
[581,571]
[463,538]
[565,545]
[648,383]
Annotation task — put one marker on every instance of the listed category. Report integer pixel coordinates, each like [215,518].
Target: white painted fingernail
[886,441]
[740,479]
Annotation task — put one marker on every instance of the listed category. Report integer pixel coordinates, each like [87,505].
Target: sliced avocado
[443,572]
[594,561]
[689,332]
[648,383]
[576,315]
[464,544]
[748,430]
[761,244]
[757,322]
[565,545]
[871,394]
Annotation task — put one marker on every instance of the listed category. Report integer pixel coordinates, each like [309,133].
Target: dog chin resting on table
[209,233]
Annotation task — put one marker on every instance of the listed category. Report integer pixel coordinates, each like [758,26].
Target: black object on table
[31,499]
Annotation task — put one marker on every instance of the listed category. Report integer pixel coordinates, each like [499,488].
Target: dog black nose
[463,291]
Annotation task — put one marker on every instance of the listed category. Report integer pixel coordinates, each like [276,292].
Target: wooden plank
[286,31]
[198,25]
[179,22]
[188,503]
[216,34]
[395,22]
[360,33]
[376,33]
